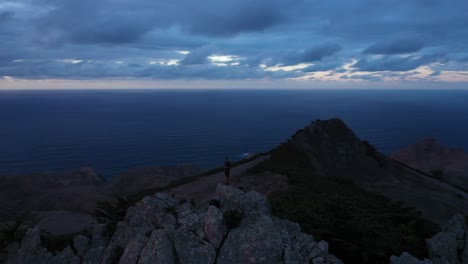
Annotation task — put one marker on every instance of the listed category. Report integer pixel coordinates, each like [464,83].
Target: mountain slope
[334,151]
[342,190]
[447,164]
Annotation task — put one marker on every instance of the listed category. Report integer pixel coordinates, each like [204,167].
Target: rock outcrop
[237,228]
[450,246]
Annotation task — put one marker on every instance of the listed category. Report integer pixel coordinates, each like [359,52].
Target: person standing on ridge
[227,169]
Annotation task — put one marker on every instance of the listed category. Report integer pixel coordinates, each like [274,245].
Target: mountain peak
[328,143]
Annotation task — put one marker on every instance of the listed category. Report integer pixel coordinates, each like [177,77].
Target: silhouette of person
[227,169]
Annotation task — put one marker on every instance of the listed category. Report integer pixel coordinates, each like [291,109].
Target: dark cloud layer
[5,16]
[395,63]
[400,46]
[230,39]
[312,54]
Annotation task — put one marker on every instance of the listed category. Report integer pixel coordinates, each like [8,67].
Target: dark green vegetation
[58,243]
[361,227]
[112,212]
[12,232]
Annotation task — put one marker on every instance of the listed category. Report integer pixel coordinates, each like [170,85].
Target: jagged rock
[334,260]
[464,256]
[153,208]
[318,260]
[200,233]
[449,246]
[99,236]
[158,249]
[31,250]
[133,249]
[166,199]
[168,222]
[235,199]
[66,257]
[443,248]
[81,245]
[188,218]
[456,226]
[407,258]
[296,245]
[257,240]
[191,249]
[118,242]
[320,250]
[184,210]
[94,255]
[159,230]
[214,227]
[138,221]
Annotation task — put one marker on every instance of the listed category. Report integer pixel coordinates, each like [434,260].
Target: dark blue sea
[116,130]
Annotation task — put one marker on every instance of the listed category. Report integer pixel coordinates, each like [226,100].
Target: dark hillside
[361,227]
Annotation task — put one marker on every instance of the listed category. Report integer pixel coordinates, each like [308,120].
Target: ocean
[117,130]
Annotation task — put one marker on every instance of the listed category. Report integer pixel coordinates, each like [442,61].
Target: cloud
[323,67]
[5,16]
[399,46]
[198,56]
[227,18]
[91,22]
[319,52]
[312,54]
[394,63]
[367,77]
[89,69]
[37,38]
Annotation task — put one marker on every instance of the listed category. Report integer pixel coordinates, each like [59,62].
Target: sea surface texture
[117,130]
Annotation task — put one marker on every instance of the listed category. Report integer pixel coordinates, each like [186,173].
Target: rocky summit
[236,227]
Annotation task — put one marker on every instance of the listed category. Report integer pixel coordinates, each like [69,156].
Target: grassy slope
[361,227]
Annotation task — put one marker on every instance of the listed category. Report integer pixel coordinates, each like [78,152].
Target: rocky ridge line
[236,228]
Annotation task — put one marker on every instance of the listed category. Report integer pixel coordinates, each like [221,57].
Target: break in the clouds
[294,40]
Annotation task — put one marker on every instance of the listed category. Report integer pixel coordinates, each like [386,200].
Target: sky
[233,44]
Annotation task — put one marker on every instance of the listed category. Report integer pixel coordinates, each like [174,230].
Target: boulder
[214,227]
[443,248]
[464,256]
[158,249]
[257,240]
[456,226]
[99,236]
[94,255]
[191,249]
[407,258]
[81,245]
[187,217]
[233,199]
[31,250]
[117,243]
[66,257]
[133,249]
